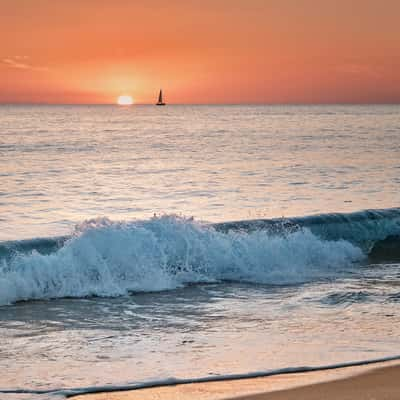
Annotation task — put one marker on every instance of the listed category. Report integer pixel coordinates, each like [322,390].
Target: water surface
[127,296]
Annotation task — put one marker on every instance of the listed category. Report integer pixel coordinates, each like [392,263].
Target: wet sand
[379,381]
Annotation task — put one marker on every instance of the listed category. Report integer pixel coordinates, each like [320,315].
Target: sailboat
[160,100]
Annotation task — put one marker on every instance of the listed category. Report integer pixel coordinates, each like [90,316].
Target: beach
[200,200]
[379,382]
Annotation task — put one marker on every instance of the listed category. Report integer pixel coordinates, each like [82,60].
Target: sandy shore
[378,382]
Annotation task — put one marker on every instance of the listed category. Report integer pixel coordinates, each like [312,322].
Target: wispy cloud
[360,69]
[22,62]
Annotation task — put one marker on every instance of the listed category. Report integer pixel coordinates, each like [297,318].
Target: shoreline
[352,382]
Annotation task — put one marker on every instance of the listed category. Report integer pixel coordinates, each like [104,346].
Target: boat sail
[160,99]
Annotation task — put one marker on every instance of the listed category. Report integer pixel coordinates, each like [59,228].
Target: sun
[125,100]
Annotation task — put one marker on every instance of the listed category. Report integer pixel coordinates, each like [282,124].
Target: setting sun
[125,100]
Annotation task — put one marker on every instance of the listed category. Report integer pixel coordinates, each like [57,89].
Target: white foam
[104,258]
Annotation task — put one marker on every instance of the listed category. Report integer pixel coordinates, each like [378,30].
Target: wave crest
[104,258]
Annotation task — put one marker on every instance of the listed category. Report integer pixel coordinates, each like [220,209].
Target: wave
[105,258]
[10,249]
[362,228]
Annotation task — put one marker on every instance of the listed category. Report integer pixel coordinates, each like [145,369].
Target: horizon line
[206,104]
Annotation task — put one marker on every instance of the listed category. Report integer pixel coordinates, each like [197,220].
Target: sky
[203,51]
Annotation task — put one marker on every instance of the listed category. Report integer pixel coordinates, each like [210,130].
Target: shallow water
[182,298]
[200,330]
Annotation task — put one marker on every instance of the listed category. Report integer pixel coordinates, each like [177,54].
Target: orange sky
[203,51]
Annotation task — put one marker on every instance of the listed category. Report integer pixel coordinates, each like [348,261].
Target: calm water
[63,165]
[180,297]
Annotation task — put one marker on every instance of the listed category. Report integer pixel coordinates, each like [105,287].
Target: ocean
[143,243]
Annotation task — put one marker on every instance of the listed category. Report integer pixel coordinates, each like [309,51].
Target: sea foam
[105,258]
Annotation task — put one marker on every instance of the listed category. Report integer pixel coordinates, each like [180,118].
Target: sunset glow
[236,51]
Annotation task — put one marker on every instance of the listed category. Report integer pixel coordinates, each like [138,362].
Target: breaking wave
[105,258]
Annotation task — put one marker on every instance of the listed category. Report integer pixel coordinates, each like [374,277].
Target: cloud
[360,69]
[21,62]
